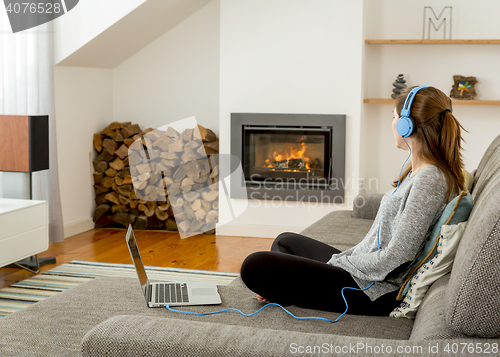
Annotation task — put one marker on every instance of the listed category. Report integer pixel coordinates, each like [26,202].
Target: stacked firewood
[169,181]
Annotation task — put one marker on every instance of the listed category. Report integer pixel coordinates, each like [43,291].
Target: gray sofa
[460,314]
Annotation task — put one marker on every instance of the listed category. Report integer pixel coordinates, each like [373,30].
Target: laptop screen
[136,258]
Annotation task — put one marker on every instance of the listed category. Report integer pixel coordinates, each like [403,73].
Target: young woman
[304,272]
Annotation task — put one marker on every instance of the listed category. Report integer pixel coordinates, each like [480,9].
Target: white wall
[279,56]
[85,21]
[290,56]
[427,65]
[174,77]
[84,100]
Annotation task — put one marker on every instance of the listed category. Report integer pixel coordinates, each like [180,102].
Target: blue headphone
[406,124]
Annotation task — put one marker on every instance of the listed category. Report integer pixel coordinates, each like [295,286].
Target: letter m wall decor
[437,26]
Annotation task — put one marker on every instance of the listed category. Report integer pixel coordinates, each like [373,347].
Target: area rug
[27,292]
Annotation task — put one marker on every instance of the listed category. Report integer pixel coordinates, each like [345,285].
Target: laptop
[159,294]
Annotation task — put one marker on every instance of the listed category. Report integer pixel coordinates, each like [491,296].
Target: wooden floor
[205,252]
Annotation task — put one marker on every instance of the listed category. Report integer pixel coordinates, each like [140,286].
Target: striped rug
[27,292]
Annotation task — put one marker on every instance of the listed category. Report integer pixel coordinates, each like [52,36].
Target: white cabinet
[24,229]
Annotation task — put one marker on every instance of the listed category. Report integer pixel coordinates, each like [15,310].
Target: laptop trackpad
[203,291]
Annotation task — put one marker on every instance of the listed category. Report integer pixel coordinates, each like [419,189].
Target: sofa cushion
[489,166]
[495,144]
[473,294]
[147,336]
[456,211]
[430,321]
[339,229]
[429,272]
[56,326]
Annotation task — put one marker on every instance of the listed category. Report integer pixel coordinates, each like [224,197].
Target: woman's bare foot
[260,298]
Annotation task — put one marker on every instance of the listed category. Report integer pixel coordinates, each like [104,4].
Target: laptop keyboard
[170,293]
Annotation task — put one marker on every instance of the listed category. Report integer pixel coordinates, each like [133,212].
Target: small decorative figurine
[399,86]
[463,88]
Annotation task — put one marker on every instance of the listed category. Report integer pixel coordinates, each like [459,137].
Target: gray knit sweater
[406,219]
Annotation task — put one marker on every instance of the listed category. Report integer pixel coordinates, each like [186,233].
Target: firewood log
[189,155]
[176,146]
[117,164]
[171,225]
[172,133]
[150,208]
[105,156]
[99,211]
[98,137]
[97,177]
[213,147]
[122,151]
[131,130]
[141,223]
[110,172]
[101,198]
[133,204]
[99,189]
[107,182]
[165,206]
[200,214]
[124,190]
[206,205]
[162,216]
[119,209]
[209,196]
[183,226]
[104,221]
[125,219]
[207,135]
[112,197]
[118,137]
[196,205]
[187,134]
[155,223]
[114,125]
[124,200]
[110,146]
[128,141]
[100,166]
[163,143]
[192,145]
[211,216]
[191,196]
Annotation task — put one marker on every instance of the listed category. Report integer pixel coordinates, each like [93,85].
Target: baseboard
[240,230]
[77,227]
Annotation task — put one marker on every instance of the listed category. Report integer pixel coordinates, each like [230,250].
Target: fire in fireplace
[286,154]
[291,156]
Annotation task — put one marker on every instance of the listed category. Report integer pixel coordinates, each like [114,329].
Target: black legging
[295,272]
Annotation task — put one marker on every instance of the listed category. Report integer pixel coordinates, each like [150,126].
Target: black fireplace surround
[289,157]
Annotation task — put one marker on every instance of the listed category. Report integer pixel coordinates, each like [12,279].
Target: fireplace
[291,157]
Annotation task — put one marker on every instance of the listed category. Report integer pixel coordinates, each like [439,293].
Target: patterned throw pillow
[458,210]
[431,271]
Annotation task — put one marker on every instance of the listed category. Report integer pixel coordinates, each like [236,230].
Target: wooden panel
[14,143]
[436,42]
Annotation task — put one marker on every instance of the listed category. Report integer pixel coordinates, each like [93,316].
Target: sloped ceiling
[132,33]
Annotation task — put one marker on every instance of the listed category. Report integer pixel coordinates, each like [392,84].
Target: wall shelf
[434,42]
[455,102]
